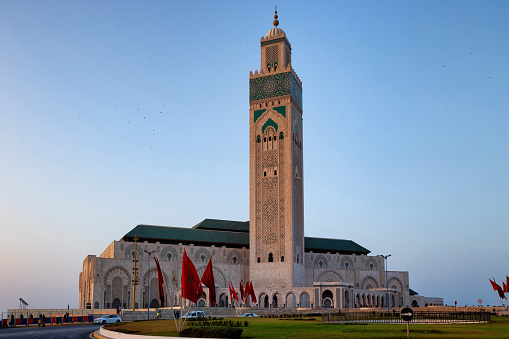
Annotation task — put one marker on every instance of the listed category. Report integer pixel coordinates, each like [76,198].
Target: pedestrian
[118,310]
[157,316]
[39,321]
[43,320]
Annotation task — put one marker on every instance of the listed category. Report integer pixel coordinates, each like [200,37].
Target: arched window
[271,258]
[347,265]
[202,258]
[258,139]
[234,259]
[282,258]
[168,256]
[281,136]
[275,172]
[371,266]
[258,260]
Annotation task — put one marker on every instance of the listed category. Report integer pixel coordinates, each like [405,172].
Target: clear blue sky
[118,113]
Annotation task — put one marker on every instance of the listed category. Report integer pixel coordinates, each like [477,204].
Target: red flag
[233,294]
[496,287]
[242,293]
[507,283]
[504,287]
[190,284]
[252,292]
[208,280]
[160,280]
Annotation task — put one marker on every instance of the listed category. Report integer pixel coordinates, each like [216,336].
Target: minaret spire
[275,22]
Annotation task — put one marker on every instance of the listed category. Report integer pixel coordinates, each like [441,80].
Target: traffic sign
[479,301]
[407,314]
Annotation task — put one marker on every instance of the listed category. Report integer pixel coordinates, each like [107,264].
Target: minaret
[276,236]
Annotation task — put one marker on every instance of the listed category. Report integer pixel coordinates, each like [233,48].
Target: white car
[194,315]
[250,315]
[107,319]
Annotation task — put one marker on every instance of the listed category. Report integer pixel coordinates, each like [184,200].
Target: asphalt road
[50,332]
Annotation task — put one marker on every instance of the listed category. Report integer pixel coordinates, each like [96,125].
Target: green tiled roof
[196,236]
[223,225]
[231,233]
[412,292]
[333,245]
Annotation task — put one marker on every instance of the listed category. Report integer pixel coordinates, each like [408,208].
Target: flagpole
[181,299]
[501,299]
[187,313]
[498,295]
[175,320]
[180,314]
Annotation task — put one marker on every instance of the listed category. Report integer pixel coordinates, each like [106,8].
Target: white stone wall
[110,276]
[353,280]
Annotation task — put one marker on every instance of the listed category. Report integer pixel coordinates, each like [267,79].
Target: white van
[194,315]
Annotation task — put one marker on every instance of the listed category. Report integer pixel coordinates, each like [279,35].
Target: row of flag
[244,293]
[501,290]
[192,285]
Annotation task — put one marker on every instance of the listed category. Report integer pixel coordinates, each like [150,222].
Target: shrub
[211,332]
[220,323]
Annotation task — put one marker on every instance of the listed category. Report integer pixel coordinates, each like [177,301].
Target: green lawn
[287,328]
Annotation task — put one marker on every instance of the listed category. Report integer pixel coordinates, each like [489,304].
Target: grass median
[314,328]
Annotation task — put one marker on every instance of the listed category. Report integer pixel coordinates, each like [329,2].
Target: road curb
[107,334]
[98,335]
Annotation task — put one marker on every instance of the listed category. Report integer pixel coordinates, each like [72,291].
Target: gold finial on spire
[276,22]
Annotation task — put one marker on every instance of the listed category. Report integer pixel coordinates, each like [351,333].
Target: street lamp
[386,281]
[148,278]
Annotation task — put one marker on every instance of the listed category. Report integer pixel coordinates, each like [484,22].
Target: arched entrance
[116,303]
[223,300]
[266,301]
[347,300]
[154,303]
[274,301]
[304,300]
[291,301]
[327,299]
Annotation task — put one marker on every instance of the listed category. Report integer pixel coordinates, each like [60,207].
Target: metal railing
[419,317]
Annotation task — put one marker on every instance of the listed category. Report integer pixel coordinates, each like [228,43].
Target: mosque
[288,270]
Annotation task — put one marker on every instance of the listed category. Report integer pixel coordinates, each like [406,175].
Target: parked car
[107,319]
[194,315]
[250,315]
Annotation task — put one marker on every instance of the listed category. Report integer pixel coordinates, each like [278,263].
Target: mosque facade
[288,270]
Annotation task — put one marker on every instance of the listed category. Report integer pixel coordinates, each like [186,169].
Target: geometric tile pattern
[270,42]
[275,85]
